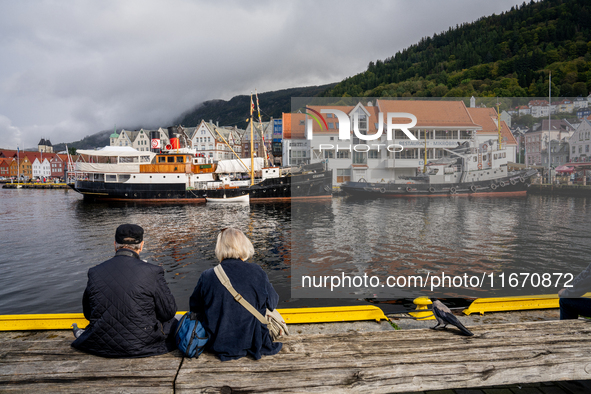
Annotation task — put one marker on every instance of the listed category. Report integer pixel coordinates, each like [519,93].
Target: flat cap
[129,234]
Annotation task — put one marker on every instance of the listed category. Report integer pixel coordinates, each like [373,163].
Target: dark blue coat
[234,331]
[130,309]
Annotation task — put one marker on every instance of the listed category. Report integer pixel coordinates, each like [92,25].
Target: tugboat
[468,170]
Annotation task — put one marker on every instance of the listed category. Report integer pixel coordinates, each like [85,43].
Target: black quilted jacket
[130,309]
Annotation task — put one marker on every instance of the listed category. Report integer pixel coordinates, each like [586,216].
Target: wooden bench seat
[377,362]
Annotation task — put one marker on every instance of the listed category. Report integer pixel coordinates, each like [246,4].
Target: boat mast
[262,132]
[251,143]
[425,159]
[549,124]
[226,142]
[499,126]
[18,166]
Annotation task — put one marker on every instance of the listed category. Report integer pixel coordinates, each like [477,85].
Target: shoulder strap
[221,274]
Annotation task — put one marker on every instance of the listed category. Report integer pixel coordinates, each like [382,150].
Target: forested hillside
[236,110]
[501,55]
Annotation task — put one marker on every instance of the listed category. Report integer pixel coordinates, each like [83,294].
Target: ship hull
[513,185]
[315,185]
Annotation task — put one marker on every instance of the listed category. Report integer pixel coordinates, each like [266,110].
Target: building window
[372,154]
[586,148]
[343,154]
[574,151]
[343,175]
[329,154]
[411,154]
[329,115]
[297,157]
[359,158]
[330,125]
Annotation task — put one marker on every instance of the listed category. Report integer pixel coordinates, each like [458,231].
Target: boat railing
[107,167]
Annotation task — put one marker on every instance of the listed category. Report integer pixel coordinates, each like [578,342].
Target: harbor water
[50,238]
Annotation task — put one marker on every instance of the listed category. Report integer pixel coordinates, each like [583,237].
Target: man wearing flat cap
[128,303]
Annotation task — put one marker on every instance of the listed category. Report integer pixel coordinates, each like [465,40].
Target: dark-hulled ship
[181,175]
[468,170]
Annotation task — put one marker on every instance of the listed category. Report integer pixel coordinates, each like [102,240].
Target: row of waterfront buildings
[556,142]
[541,108]
[440,125]
[42,164]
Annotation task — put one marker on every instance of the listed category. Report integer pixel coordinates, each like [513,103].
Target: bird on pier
[77,331]
[444,316]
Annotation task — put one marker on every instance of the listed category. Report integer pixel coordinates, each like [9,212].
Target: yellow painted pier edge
[63,321]
[505,304]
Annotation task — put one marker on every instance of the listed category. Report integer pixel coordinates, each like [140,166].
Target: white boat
[228,200]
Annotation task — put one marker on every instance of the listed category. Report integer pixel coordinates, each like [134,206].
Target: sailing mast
[18,168]
[226,142]
[499,126]
[425,151]
[549,125]
[265,158]
[251,143]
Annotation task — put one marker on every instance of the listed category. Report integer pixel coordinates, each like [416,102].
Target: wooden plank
[384,362]
[44,361]
[402,361]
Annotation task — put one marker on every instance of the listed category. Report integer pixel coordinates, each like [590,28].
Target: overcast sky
[69,69]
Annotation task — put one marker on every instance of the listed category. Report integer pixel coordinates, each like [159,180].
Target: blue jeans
[571,308]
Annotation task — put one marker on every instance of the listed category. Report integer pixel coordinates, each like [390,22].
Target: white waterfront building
[580,143]
[41,168]
[440,125]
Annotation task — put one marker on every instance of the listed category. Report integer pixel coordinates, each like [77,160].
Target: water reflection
[49,239]
[457,236]
[182,238]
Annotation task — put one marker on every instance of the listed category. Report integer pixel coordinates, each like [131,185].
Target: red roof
[440,114]
[535,103]
[371,129]
[486,117]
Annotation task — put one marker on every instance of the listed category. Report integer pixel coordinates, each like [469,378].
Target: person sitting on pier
[233,331]
[571,303]
[128,303]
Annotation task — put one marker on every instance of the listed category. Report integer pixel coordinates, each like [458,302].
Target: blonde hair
[233,244]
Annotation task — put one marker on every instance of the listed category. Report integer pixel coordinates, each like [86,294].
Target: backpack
[190,335]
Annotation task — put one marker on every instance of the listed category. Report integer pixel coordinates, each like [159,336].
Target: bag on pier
[190,335]
[272,319]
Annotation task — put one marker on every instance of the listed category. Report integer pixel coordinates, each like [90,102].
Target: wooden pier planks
[377,362]
[404,361]
[44,362]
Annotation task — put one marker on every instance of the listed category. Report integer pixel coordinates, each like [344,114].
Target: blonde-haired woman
[233,331]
